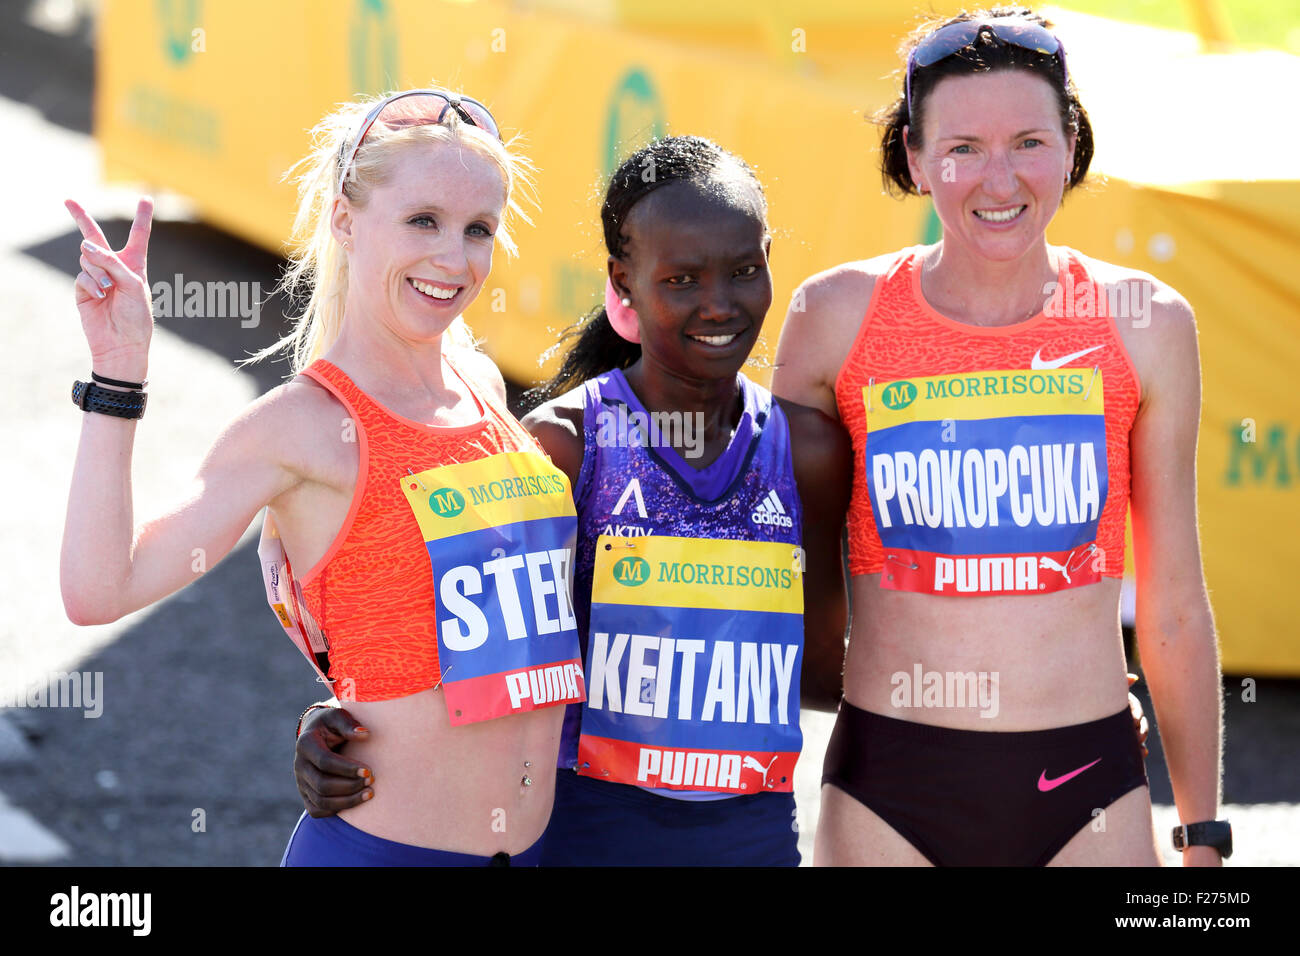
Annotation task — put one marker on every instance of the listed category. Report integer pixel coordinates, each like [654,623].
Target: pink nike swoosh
[1044,784]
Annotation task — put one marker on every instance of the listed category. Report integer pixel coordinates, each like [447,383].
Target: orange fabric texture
[373,593]
[901,337]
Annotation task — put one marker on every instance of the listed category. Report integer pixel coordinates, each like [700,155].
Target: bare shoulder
[282,410]
[826,312]
[303,402]
[557,425]
[293,421]
[846,287]
[1130,291]
[1154,321]
[483,370]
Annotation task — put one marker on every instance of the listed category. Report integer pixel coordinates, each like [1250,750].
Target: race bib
[988,482]
[693,664]
[501,532]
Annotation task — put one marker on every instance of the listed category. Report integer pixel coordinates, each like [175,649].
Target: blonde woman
[431,538]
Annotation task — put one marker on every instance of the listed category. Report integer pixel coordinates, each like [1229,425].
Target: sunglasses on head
[419,108]
[955,37]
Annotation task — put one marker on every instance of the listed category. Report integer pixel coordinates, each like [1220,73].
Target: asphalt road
[188,762]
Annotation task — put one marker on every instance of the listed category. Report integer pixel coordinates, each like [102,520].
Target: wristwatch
[89,397]
[1215,833]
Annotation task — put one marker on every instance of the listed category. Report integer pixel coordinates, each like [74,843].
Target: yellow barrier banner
[214,100]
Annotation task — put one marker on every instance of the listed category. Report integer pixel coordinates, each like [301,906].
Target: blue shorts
[330,841]
[597,823]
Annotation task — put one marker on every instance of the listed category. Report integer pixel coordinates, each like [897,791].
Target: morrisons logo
[899,395]
[1063,382]
[525,486]
[632,572]
[725,575]
[446,502]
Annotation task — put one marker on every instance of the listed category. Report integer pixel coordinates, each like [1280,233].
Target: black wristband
[103,380]
[91,398]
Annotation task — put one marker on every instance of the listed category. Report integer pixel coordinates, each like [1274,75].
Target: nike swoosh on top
[1044,784]
[1038,362]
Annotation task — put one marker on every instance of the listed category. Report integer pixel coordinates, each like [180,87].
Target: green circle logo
[632,572]
[446,502]
[899,395]
[636,117]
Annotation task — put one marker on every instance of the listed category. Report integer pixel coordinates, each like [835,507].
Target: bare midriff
[1039,661]
[479,788]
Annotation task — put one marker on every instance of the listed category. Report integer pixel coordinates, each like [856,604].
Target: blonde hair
[318,267]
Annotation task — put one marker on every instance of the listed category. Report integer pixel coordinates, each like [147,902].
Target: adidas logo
[770,511]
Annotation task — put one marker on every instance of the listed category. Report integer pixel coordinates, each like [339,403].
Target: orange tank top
[988,460]
[435,513]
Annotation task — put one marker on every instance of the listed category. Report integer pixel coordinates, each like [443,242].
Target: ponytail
[596,349]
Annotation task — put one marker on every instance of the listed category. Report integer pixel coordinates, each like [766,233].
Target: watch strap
[89,397]
[1215,833]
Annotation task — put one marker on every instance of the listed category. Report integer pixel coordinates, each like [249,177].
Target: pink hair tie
[621,317]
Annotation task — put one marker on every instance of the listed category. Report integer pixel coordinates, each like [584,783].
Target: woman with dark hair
[998,407]
[695,490]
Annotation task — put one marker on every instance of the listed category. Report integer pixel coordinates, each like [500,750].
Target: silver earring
[626,302]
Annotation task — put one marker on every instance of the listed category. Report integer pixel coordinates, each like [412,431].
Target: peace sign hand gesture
[113,295]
